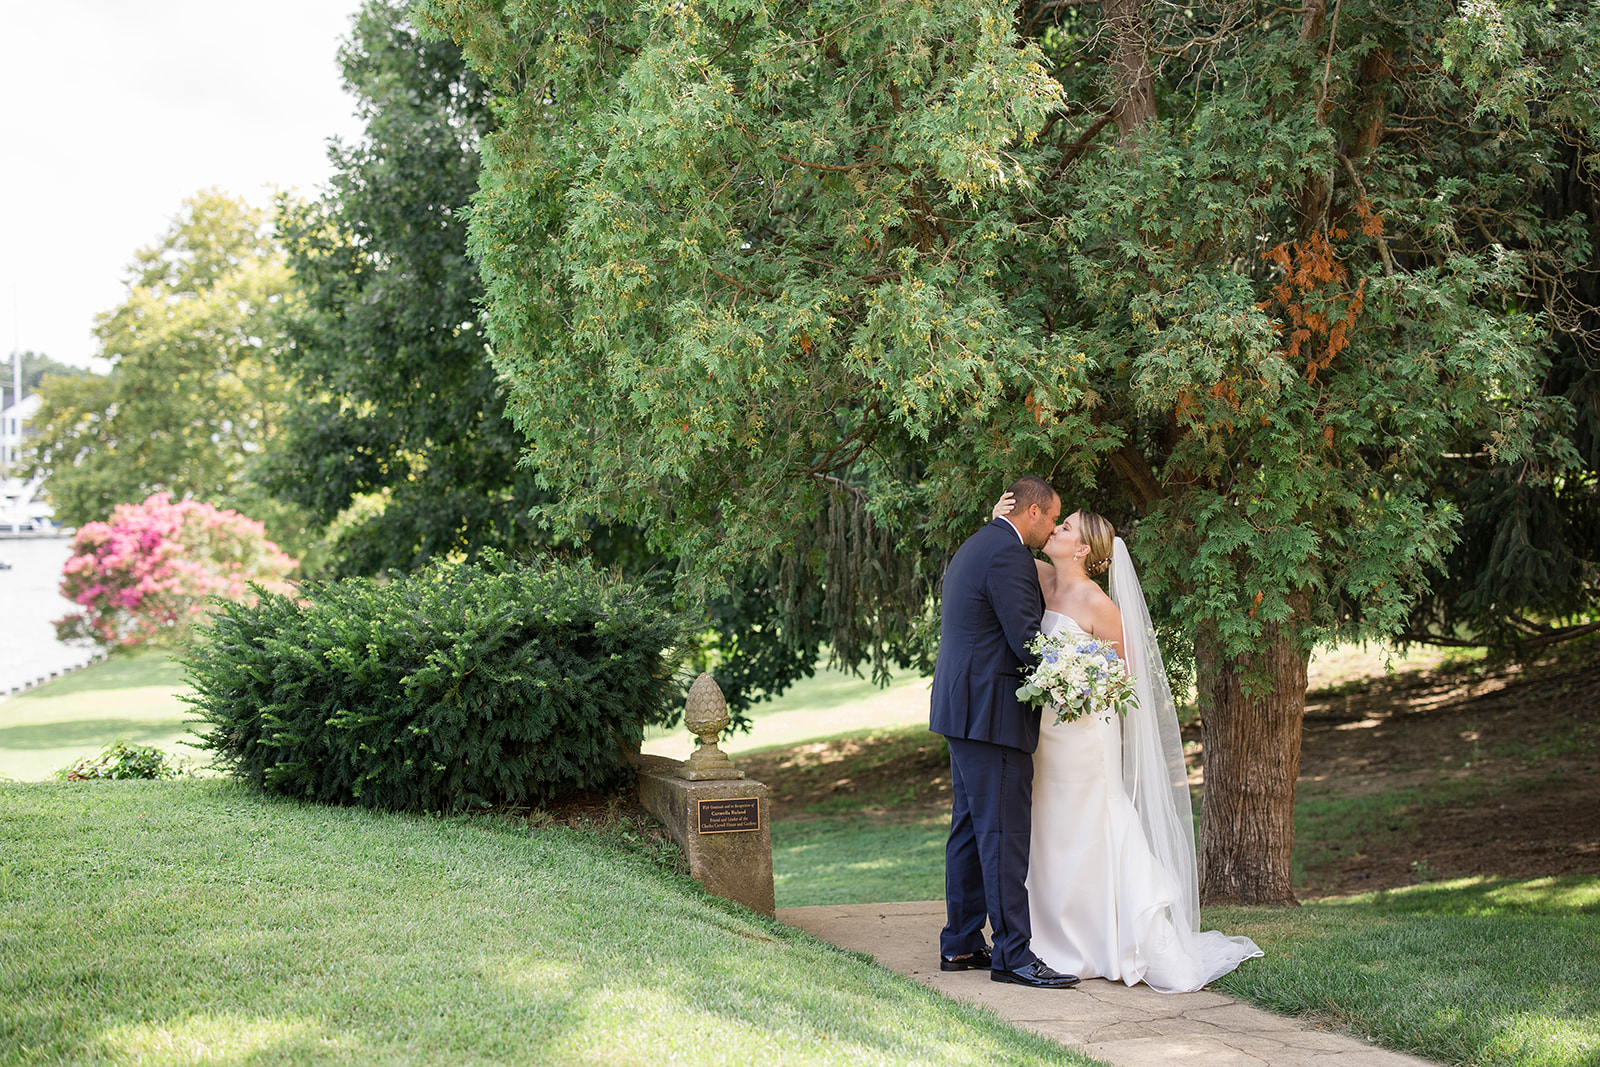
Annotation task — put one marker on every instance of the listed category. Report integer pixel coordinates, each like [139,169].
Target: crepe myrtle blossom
[145,576]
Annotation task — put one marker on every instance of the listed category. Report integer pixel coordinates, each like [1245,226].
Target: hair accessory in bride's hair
[1097,533]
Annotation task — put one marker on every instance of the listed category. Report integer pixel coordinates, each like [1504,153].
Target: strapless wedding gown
[1099,902]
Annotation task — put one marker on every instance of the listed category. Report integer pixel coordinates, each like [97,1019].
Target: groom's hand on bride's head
[1003,506]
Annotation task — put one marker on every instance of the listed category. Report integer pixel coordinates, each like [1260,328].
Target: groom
[991,610]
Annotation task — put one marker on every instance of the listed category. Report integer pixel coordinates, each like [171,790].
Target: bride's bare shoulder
[1104,611]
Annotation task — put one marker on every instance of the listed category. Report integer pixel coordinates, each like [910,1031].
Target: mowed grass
[195,921]
[830,702]
[857,860]
[1474,971]
[1470,972]
[132,695]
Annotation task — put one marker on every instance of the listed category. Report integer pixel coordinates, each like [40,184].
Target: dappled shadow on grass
[1484,769]
[775,995]
[903,769]
[221,1037]
[858,860]
[1573,895]
[72,733]
[124,670]
[1482,971]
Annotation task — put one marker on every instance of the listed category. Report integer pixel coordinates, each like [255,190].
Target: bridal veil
[1155,777]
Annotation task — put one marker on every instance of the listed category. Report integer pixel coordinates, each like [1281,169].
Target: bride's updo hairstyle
[1098,534]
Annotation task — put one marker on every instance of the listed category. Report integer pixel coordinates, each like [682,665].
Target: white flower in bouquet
[1077,677]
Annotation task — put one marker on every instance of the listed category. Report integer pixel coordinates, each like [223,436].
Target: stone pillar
[721,819]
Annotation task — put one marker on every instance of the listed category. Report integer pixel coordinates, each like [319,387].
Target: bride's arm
[1047,577]
[1047,570]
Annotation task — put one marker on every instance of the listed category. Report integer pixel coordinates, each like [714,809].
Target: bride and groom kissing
[1074,841]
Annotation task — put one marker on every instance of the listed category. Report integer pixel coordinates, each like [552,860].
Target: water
[30,599]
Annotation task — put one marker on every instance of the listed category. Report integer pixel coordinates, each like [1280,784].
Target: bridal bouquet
[1077,677]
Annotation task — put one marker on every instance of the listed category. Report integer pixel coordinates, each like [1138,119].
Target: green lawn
[132,695]
[857,860]
[1476,971]
[195,921]
[828,703]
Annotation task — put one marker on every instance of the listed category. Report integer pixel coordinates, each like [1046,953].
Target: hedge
[457,686]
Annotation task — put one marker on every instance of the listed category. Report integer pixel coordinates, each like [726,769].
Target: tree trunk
[1133,83]
[1252,759]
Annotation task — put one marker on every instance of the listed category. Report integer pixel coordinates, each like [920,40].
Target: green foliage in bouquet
[461,685]
[1077,677]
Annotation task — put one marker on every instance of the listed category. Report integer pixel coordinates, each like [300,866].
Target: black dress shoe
[1037,974]
[972,961]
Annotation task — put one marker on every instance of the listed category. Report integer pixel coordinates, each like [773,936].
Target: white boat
[23,515]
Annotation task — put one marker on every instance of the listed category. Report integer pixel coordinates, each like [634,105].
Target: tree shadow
[126,670]
[1486,896]
[77,732]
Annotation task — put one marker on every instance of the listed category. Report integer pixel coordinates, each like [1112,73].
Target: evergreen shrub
[461,685]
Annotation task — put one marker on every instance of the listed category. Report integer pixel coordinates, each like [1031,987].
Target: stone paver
[1128,1027]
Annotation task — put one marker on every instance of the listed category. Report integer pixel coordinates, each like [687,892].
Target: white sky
[113,111]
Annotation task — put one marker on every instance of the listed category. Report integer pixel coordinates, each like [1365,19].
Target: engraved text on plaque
[731,815]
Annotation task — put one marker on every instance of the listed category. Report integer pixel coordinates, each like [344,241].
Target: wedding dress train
[1104,902]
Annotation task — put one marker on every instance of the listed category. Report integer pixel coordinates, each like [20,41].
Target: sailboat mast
[6,445]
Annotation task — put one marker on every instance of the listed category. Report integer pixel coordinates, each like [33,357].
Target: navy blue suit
[991,608]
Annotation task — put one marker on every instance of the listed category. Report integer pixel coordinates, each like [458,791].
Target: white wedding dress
[1104,902]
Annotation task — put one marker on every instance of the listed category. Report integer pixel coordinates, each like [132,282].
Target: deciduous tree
[35,366]
[193,399]
[804,284]
[399,430]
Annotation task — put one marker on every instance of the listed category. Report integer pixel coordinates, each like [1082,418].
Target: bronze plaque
[730,816]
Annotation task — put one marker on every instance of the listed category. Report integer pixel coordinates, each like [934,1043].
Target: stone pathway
[1128,1027]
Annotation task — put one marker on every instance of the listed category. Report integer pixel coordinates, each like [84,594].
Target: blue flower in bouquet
[1077,678]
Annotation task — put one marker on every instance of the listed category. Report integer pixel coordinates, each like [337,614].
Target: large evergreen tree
[399,431]
[802,283]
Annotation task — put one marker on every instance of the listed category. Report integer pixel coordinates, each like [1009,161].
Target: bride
[1112,887]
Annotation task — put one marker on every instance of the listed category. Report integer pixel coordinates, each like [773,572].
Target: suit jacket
[991,608]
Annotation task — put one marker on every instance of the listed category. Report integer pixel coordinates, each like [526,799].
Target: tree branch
[1383,246]
[1050,5]
[864,428]
[1327,69]
[840,483]
[738,284]
[1131,467]
[1554,637]
[824,166]
[1082,146]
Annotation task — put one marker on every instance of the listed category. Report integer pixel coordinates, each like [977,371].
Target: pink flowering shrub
[144,577]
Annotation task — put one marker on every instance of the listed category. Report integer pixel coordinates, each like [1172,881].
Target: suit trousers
[986,857]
